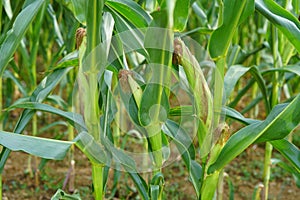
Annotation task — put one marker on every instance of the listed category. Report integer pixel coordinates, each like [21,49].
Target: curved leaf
[60,194]
[17,32]
[186,149]
[8,74]
[131,11]
[230,112]
[47,84]
[283,126]
[41,147]
[79,8]
[287,23]
[220,39]
[180,14]
[280,116]
[39,94]
[289,68]
[75,119]
[234,74]
[289,151]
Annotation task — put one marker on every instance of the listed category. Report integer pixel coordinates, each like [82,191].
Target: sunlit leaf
[287,23]
[221,38]
[279,123]
[42,147]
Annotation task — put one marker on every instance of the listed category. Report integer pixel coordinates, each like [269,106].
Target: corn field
[136,88]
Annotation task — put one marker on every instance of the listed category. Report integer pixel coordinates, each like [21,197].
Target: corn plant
[138,74]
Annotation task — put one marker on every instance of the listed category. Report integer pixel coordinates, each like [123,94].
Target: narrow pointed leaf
[75,119]
[17,32]
[8,74]
[180,14]
[235,72]
[280,116]
[232,76]
[231,113]
[131,11]
[287,23]
[41,147]
[78,8]
[221,38]
[47,84]
[289,151]
[39,94]
[186,149]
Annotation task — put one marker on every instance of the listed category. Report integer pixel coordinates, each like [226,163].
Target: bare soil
[245,173]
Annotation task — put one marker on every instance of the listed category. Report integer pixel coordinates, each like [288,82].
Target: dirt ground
[245,173]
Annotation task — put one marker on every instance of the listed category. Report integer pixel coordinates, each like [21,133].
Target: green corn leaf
[78,8]
[129,18]
[287,168]
[7,8]
[39,94]
[140,184]
[287,23]
[58,100]
[70,59]
[261,84]
[235,72]
[15,35]
[8,74]
[209,185]
[149,102]
[154,191]
[91,148]
[75,119]
[185,147]
[52,125]
[60,194]
[283,126]
[58,34]
[181,111]
[248,10]
[132,37]
[177,13]
[47,84]
[289,151]
[97,154]
[281,118]
[233,13]
[154,96]
[131,11]
[289,68]
[180,14]
[156,186]
[233,114]
[41,147]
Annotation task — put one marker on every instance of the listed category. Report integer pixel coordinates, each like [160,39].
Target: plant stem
[34,133]
[217,104]
[267,168]
[274,101]
[92,117]
[220,185]
[97,175]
